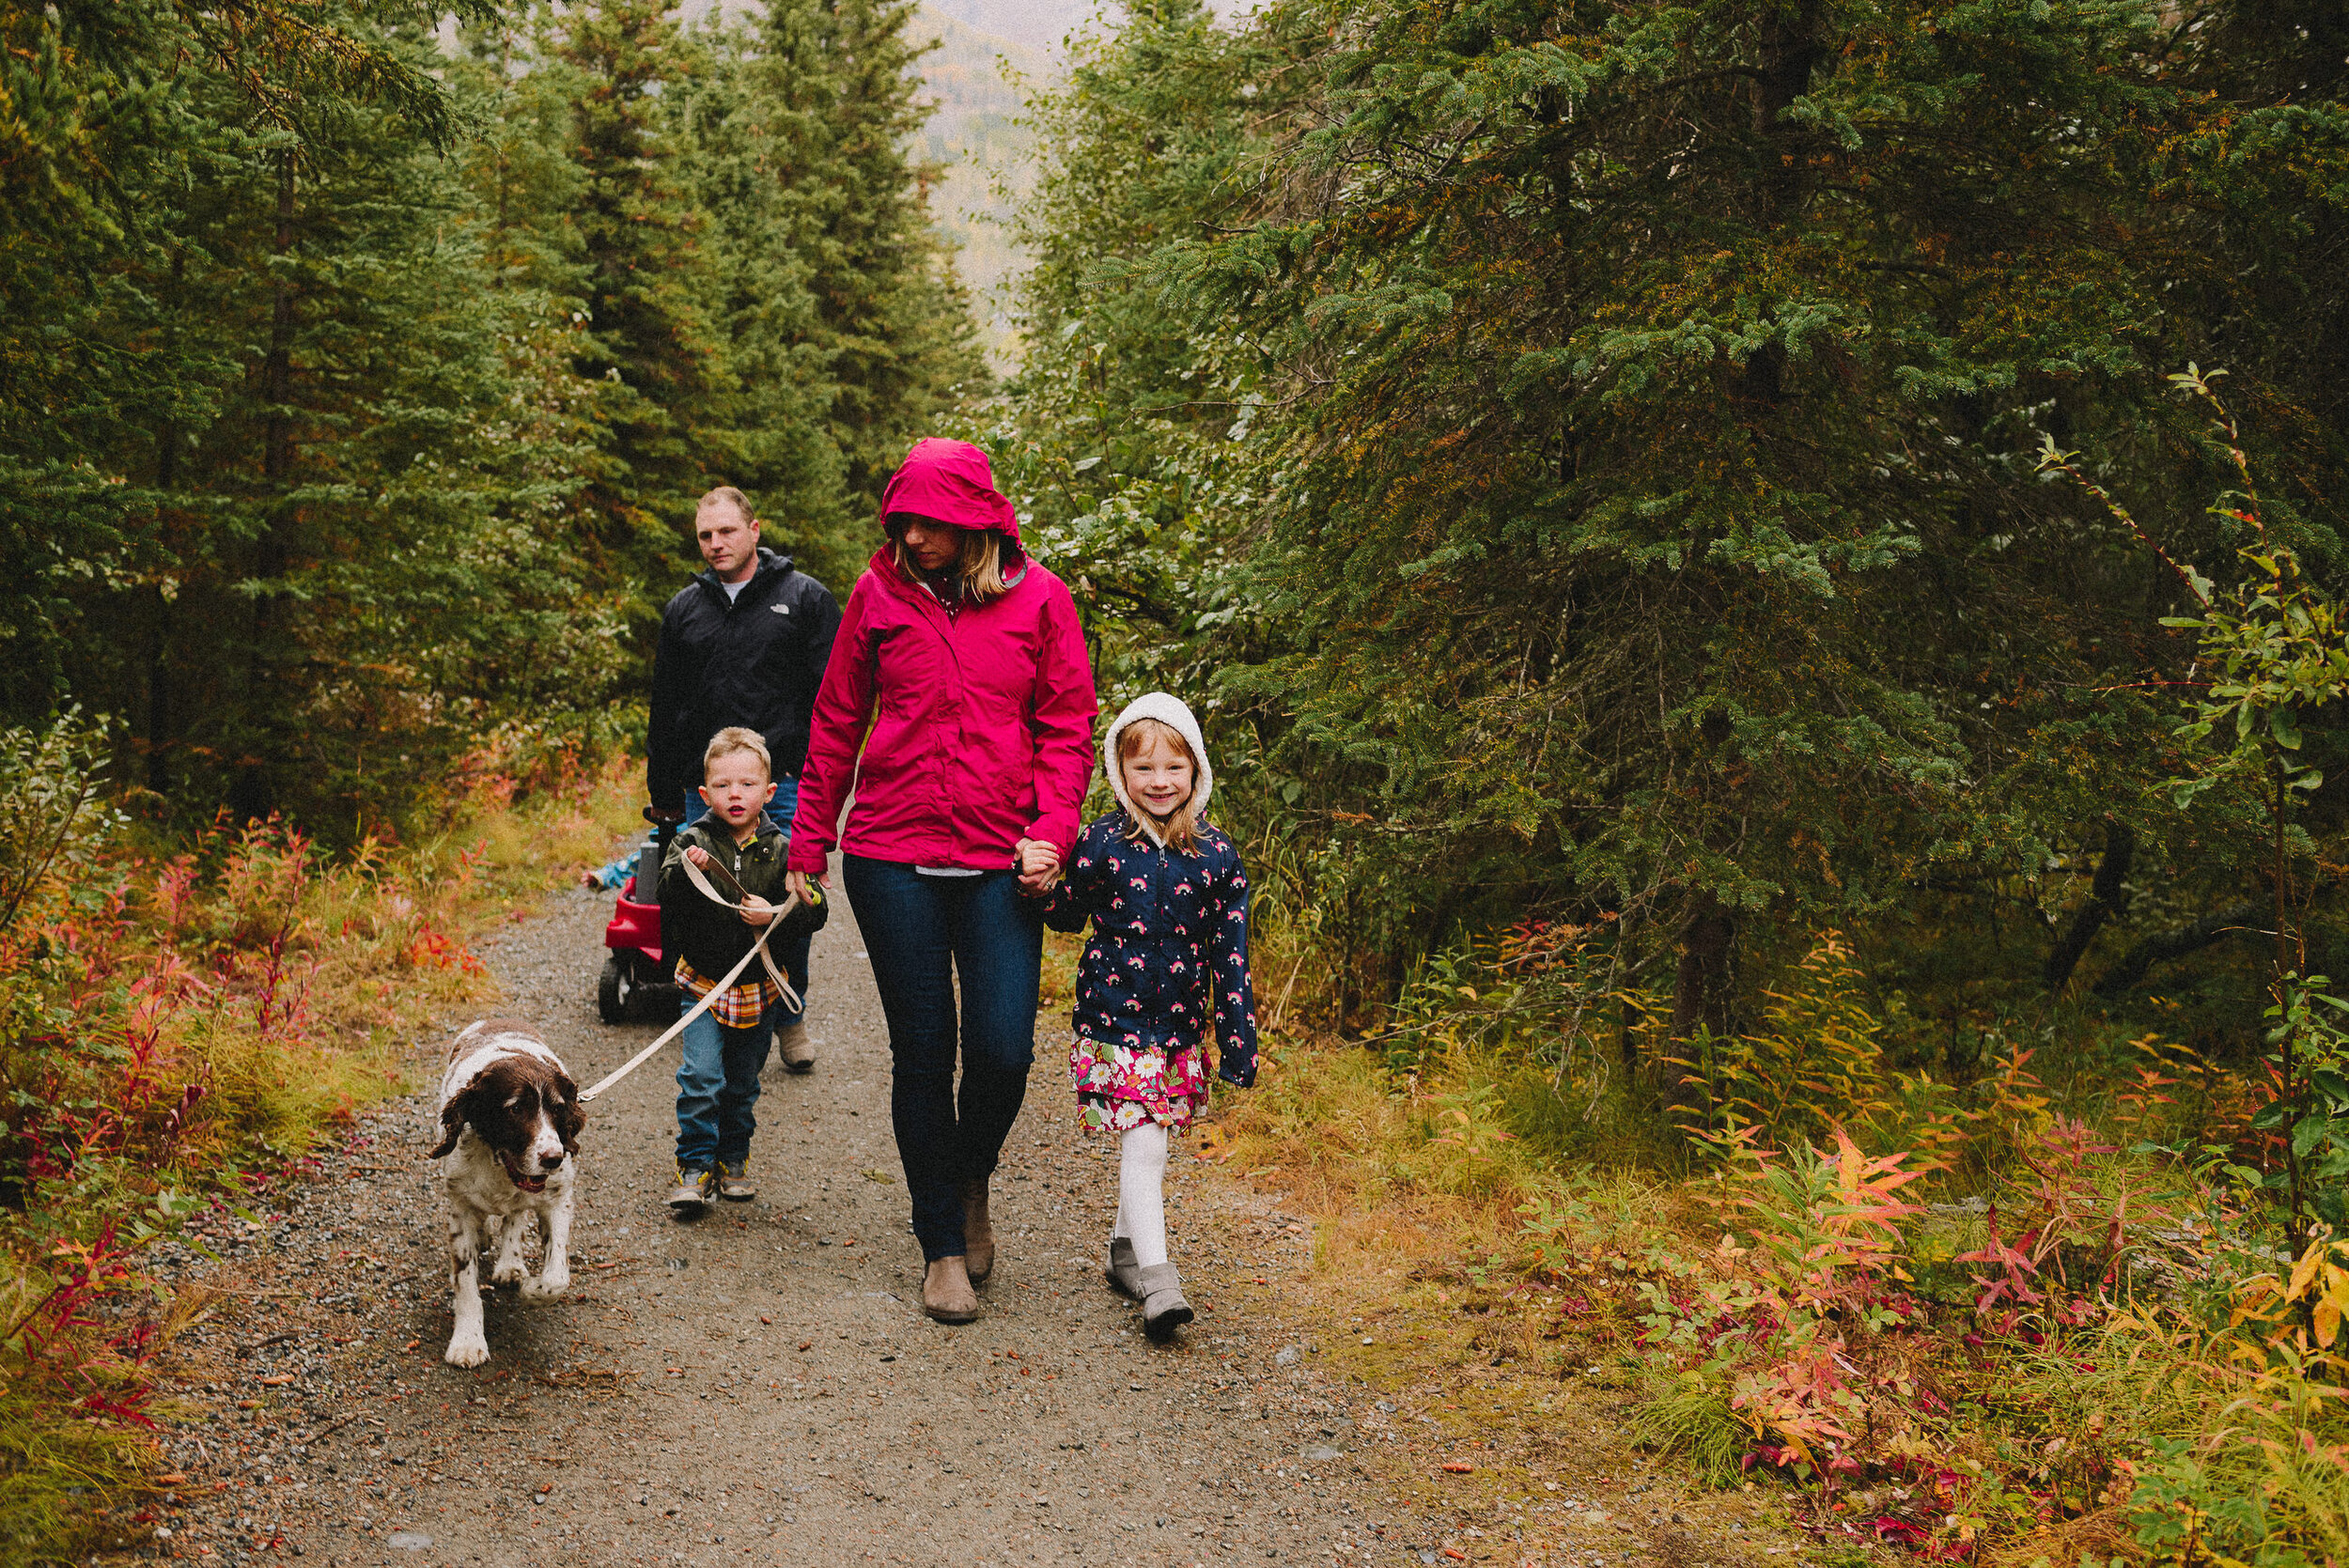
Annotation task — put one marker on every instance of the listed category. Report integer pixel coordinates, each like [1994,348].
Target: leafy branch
[2277,647]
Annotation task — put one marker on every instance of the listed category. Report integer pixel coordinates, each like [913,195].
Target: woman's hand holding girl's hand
[755,910]
[795,884]
[1039,866]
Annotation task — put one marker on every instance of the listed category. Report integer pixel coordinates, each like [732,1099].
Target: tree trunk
[1790,51]
[159,695]
[2108,896]
[277,440]
[159,630]
[1702,993]
[250,796]
[2165,945]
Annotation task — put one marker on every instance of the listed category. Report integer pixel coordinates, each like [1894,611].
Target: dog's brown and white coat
[510,1122]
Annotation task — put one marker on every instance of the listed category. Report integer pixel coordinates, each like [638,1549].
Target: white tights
[1142,1193]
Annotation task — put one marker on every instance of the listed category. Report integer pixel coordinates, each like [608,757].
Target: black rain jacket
[755,662]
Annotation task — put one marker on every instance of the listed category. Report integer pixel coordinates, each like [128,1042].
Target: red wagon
[639,979]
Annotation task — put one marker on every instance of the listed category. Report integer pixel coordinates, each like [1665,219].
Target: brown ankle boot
[978,1232]
[946,1293]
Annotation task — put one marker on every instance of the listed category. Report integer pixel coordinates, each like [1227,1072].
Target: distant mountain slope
[1034,26]
[1038,24]
[970,131]
[973,133]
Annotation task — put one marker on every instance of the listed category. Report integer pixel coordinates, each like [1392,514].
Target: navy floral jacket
[1169,947]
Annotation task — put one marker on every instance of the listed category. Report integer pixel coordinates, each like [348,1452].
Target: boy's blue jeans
[717,1079]
[790,953]
[717,1088]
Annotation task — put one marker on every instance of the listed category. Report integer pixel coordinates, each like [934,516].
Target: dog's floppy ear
[453,1118]
[570,1120]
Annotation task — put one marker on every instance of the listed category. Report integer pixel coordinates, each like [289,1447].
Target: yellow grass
[306,984]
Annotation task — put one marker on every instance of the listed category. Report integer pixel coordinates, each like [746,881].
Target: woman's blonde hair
[981,566]
[1180,829]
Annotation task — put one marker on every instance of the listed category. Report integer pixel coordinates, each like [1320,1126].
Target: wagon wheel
[615,990]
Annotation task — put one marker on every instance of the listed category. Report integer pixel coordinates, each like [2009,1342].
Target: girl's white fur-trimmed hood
[1172,711]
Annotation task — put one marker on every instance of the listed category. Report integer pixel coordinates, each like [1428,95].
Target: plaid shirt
[744,1004]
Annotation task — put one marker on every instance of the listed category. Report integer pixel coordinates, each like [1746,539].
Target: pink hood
[949,481]
[956,732]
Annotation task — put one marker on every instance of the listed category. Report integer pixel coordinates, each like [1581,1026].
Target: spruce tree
[892,326]
[647,280]
[290,529]
[355,583]
[848,333]
[1664,374]
[1137,452]
[354,397]
[769,435]
[1648,399]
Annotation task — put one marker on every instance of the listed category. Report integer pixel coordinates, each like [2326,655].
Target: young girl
[1168,904]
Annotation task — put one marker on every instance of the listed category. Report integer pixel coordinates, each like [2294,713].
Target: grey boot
[1124,1274]
[1163,1309]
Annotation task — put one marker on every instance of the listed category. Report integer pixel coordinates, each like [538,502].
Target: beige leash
[758,950]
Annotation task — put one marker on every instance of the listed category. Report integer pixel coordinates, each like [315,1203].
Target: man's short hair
[726,495]
[733,739]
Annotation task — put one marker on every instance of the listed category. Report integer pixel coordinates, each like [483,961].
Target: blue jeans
[717,1088]
[922,933]
[790,952]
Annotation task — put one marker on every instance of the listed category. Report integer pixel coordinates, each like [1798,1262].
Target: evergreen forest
[1767,584]
[366,362]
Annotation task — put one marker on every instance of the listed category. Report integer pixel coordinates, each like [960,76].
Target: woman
[961,673]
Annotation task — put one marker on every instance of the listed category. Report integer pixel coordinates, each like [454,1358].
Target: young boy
[742,854]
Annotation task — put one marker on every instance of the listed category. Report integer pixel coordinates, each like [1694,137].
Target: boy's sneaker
[733,1185]
[696,1190]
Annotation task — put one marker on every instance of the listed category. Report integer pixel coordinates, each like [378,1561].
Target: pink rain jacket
[977,728]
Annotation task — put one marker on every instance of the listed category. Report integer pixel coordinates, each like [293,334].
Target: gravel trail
[760,1387]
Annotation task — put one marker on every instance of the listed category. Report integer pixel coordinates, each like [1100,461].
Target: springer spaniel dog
[510,1122]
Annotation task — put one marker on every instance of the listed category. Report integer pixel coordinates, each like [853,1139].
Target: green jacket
[709,935]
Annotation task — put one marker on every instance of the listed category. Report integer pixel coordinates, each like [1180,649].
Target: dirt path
[758,1387]
[761,1388]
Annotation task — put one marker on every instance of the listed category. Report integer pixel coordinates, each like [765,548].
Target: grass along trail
[760,1387]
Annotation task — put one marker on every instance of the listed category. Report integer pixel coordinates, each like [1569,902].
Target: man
[745,643]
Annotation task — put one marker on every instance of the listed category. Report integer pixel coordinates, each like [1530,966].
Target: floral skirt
[1120,1087]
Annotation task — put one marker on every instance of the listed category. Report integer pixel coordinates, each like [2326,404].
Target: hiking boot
[978,1232]
[696,1190]
[1124,1274]
[946,1293]
[733,1185]
[1163,1309]
[792,1044]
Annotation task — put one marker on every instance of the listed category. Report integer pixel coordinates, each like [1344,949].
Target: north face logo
[780,608]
